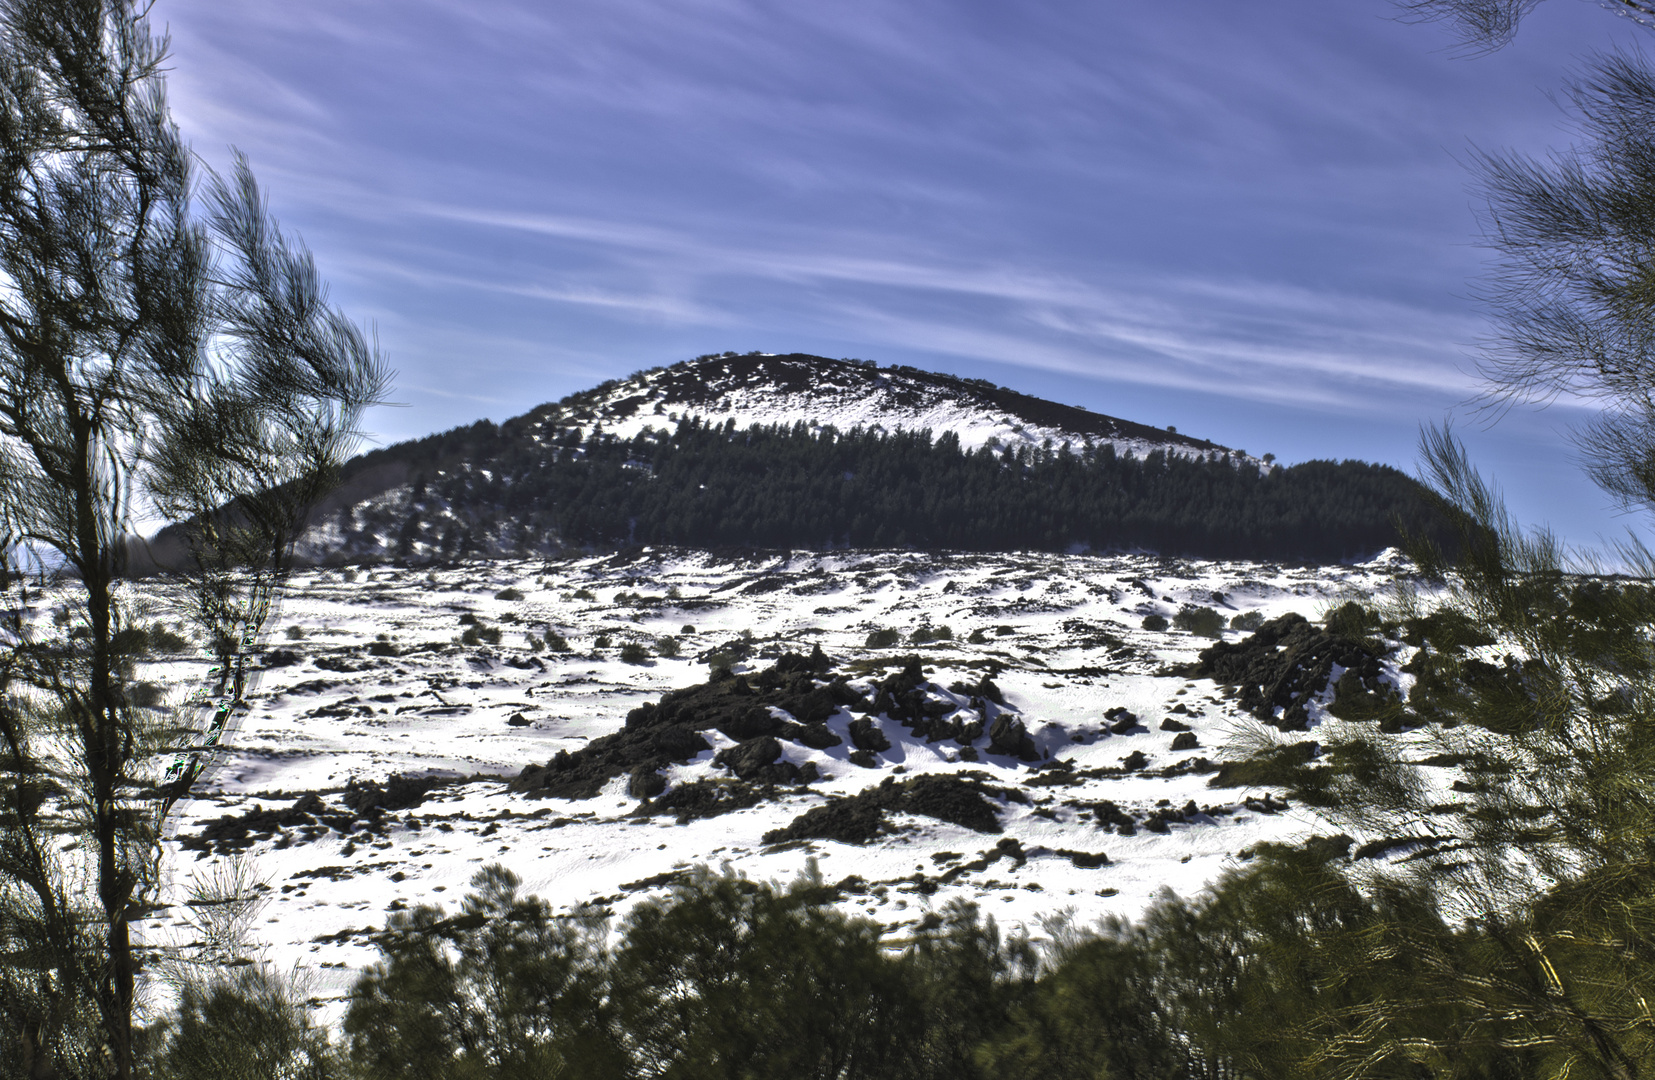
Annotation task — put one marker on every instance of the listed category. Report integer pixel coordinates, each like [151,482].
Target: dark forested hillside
[497,490]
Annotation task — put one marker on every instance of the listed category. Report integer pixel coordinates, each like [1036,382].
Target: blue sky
[1251,221]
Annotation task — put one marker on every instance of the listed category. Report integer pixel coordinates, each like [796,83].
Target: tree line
[487,490]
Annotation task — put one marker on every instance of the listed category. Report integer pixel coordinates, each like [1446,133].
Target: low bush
[633,653]
[1351,619]
[508,593]
[884,639]
[1200,621]
[1155,622]
[163,640]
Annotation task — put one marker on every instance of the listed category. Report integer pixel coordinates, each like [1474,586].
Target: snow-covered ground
[1060,635]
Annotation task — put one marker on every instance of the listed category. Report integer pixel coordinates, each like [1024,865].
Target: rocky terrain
[1033,733]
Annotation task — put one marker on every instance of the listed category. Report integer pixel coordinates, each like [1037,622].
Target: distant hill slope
[807,452]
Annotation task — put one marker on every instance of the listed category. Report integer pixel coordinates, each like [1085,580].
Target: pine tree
[151,360]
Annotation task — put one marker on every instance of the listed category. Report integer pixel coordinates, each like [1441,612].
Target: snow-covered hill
[818,392]
[1080,776]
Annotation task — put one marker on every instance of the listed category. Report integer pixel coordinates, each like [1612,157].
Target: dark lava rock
[902,697]
[740,706]
[1110,816]
[864,758]
[755,761]
[309,817]
[1134,761]
[399,793]
[850,821]
[703,799]
[645,783]
[1084,860]
[1288,662]
[1169,724]
[817,736]
[860,818]
[865,735]
[1009,736]
[1186,740]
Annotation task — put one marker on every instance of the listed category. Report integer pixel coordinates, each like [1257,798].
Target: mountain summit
[788,389]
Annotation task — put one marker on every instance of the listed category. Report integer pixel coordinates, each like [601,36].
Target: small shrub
[556,642]
[930,633]
[131,641]
[978,637]
[1155,622]
[1351,619]
[534,642]
[1200,621]
[884,639]
[688,629]
[584,594]
[146,695]
[470,637]
[602,642]
[508,593]
[294,633]
[1005,631]
[163,640]
[633,653]
[468,619]
[667,645]
[490,634]
[347,575]
[722,660]
[1248,621]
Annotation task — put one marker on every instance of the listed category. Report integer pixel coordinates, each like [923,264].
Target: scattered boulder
[865,735]
[1186,740]
[1123,721]
[817,736]
[1010,737]
[755,761]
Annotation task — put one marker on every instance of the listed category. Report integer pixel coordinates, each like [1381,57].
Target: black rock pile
[861,817]
[789,701]
[1282,667]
